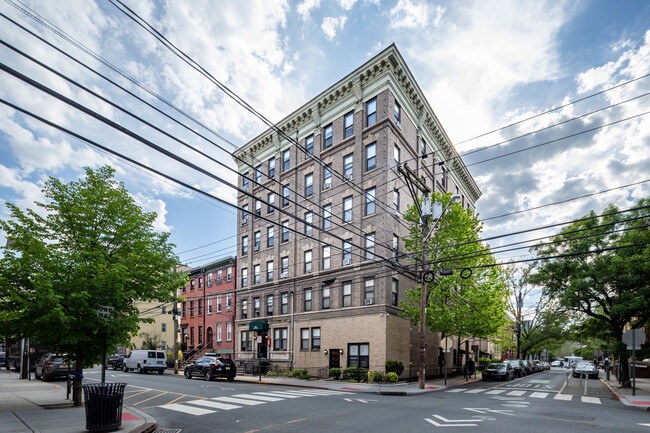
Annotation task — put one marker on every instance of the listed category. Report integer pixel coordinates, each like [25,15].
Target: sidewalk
[36,406]
[640,400]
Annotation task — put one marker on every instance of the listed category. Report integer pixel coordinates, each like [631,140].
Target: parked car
[210,367]
[115,361]
[585,368]
[546,365]
[538,365]
[145,360]
[51,366]
[556,363]
[518,368]
[529,366]
[499,371]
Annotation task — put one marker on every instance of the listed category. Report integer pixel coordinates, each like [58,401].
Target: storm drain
[169,430]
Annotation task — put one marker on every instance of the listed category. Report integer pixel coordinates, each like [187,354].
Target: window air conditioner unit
[244,220]
[347,261]
[284,275]
[218,280]
[348,177]
[327,185]
[370,301]
[257,247]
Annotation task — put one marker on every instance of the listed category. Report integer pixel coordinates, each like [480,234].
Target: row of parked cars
[512,368]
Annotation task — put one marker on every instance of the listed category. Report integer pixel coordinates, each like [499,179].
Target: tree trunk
[625,372]
[76,388]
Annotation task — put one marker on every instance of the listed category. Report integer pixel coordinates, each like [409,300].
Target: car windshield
[496,366]
[583,365]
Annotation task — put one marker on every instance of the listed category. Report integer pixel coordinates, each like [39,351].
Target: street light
[428,209]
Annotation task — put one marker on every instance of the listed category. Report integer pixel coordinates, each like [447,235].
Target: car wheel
[161,371]
[188,374]
[231,379]
[125,368]
[208,375]
[140,370]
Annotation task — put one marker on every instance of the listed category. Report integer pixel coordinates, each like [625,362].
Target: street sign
[634,338]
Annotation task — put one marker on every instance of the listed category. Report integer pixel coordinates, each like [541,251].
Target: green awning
[258,326]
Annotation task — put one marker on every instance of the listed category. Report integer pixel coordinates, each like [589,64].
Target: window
[304,339]
[396,155]
[191,308]
[271,202]
[309,145]
[192,335]
[309,217]
[210,279]
[370,201]
[395,245]
[163,328]
[327,216]
[258,174]
[258,240]
[269,237]
[256,274]
[244,245]
[326,257]
[219,303]
[327,176]
[394,291]
[244,309]
[307,300]
[397,114]
[244,214]
[285,196]
[191,284]
[209,304]
[219,332]
[184,308]
[423,149]
[396,202]
[200,282]
[347,209]
[309,185]
[163,309]
[256,307]
[269,305]
[219,277]
[369,289]
[444,177]
[307,262]
[228,331]
[371,156]
[286,160]
[325,301]
[271,167]
[327,141]
[269,271]
[349,124]
[315,338]
[346,294]
[359,355]
[245,182]
[348,162]
[246,341]
[200,307]
[371,112]
[244,277]
[284,263]
[284,302]
[228,301]
[280,339]
[229,273]
[258,208]
[285,231]
[370,246]
[347,252]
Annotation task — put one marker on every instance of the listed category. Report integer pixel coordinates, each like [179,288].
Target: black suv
[517,367]
[210,367]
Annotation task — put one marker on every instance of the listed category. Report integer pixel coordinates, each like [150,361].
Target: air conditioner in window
[284,275]
[347,261]
[370,301]
[244,220]
[218,280]
[348,176]
[257,247]
[327,185]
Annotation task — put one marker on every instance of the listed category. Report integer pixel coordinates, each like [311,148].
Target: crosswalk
[237,401]
[527,393]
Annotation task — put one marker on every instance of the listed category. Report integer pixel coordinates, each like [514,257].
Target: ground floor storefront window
[359,355]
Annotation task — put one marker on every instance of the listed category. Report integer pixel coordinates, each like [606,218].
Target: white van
[145,360]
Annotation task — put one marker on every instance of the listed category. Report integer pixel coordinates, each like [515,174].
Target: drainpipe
[292,330]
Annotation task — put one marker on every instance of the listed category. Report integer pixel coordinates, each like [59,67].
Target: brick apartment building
[329,295]
[208,311]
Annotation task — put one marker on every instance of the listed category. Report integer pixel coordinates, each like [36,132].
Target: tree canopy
[70,279]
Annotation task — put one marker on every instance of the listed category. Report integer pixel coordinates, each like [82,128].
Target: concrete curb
[150,424]
[623,399]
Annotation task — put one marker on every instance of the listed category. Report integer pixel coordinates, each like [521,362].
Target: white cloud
[154,205]
[411,14]
[331,25]
[305,8]
[346,4]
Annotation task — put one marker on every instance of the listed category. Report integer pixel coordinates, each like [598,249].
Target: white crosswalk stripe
[456,390]
[187,409]
[496,391]
[214,404]
[276,395]
[258,397]
[474,391]
[516,393]
[239,401]
[526,393]
[563,397]
[539,394]
[586,399]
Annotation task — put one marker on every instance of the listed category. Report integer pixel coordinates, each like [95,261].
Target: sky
[481,64]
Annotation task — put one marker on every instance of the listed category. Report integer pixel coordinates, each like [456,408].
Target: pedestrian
[471,366]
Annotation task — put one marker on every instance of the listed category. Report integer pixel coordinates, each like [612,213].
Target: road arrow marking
[646,425]
[453,422]
[358,399]
[486,410]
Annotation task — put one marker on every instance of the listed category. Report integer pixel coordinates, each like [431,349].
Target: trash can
[103,403]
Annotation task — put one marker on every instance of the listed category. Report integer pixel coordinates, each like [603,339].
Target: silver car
[51,365]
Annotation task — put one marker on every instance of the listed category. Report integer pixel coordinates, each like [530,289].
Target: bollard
[586,381]
[607,372]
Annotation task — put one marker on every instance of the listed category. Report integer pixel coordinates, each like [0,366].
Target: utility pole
[175,319]
[520,304]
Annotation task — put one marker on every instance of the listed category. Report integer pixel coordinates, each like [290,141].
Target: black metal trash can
[103,403]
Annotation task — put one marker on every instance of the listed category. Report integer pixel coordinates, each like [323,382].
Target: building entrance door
[335,358]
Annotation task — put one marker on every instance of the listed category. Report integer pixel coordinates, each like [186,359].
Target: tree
[70,279]
[151,341]
[474,306]
[599,266]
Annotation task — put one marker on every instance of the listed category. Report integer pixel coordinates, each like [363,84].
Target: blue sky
[481,64]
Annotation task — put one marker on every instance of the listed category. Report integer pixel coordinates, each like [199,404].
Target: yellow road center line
[150,398]
[563,386]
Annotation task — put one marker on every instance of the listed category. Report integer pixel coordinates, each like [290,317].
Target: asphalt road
[544,402]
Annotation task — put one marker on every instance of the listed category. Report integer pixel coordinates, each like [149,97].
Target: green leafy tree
[151,341]
[70,279]
[474,306]
[611,283]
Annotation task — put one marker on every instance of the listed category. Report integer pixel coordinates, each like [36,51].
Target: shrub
[355,374]
[335,373]
[295,373]
[391,377]
[375,377]
[304,376]
[394,367]
[484,361]
[271,373]
[495,360]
